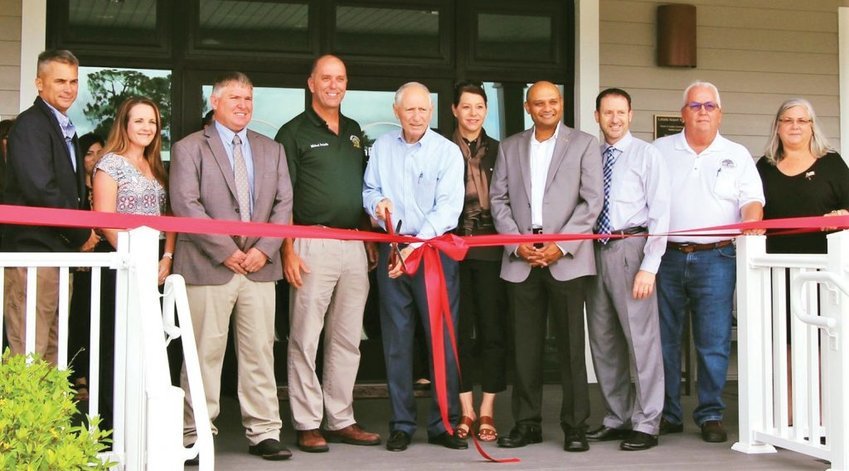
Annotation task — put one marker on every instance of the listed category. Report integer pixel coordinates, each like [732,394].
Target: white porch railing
[147,408]
[794,397]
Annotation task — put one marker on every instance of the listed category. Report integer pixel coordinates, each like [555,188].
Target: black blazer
[39,173]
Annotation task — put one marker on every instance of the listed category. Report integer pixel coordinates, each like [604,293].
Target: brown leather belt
[630,231]
[689,247]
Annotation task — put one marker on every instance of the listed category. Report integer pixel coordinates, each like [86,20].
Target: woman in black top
[802,176]
[482,294]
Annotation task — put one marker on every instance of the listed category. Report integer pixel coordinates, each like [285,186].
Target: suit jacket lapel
[525,161]
[558,155]
[57,130]
[220,156]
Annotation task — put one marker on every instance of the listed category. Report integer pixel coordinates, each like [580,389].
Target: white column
[586,64]
[33,41]
[843,76]
[586,89]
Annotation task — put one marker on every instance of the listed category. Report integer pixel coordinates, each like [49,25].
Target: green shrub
[36,407]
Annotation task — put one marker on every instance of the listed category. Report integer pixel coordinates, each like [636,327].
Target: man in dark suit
[226,171]
[547,179]
[44,168]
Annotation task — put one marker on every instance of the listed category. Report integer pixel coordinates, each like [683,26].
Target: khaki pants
[252,306]
[332,298]
[46,311]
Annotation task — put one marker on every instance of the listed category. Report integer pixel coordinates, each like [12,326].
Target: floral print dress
[137,194]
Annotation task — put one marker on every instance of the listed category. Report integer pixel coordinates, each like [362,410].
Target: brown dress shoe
[714,432]
[312,441]
[352,435]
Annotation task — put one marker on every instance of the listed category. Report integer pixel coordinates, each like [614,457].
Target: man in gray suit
[547,180]
[226,171]
[622,304]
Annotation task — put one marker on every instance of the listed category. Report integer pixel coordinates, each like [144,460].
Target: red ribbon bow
[439,315]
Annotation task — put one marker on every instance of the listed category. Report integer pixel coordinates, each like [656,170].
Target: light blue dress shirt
[640,195]
[423,180]
[68,131]
[227,139]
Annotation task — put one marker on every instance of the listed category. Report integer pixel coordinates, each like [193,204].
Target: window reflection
[110,22]
[254,25]
[273,107]
[135,14]
[102,90]
[373,110]
[387,31]
[514,37]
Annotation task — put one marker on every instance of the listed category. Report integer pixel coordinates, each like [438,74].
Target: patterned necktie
[69,130]
[240,171]
[604,226]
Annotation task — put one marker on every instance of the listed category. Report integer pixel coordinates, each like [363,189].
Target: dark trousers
[531,301]
[79,324]
[483,312]
[403,303]
[108,279]
[79,332]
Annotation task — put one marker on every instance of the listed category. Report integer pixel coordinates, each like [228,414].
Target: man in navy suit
[44,168]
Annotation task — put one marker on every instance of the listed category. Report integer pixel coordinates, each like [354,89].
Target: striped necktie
[604,226]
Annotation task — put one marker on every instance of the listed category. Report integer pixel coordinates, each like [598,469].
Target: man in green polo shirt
[328,278]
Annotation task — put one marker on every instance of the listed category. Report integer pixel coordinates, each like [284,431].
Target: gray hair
[228,78]
[63,56]
[399,95]
[701,84]
[820,146]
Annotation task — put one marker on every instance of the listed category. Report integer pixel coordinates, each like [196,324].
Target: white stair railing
[177,300]
[794,397]
[147,408]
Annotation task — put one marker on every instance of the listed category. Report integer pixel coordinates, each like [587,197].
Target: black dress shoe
[448,441]
[397,441]
[521,436]
[270,449]
[638,441]
[714,432]
[576,440]
[668,427]
[605,433]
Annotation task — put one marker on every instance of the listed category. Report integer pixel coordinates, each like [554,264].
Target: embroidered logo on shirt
[810,175]
[355,141]
[320,144]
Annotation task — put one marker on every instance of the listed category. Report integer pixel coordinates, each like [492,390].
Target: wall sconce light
[676,35]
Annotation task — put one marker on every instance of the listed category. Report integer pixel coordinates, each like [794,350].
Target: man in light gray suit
[547,180]
[622,304]
[227,172]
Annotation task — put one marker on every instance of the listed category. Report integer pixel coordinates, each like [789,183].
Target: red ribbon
[439,315]
[439,307]
[453,246]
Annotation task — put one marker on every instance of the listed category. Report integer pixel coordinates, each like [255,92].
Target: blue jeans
[702,282]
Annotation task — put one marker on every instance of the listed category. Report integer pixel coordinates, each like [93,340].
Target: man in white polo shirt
[714,182]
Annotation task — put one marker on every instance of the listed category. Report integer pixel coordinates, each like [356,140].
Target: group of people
[638,284]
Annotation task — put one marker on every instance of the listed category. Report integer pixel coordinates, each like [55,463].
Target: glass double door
[368,100]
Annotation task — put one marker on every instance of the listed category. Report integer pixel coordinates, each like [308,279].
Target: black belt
[689,247]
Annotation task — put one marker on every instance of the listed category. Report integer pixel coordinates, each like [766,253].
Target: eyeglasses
[695,106]
[795,121]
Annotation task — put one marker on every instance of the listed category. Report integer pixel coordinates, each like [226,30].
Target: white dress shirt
[540,154]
